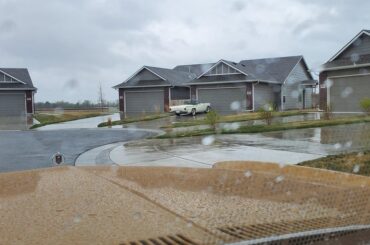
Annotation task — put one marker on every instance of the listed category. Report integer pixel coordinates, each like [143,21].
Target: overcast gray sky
[70,46]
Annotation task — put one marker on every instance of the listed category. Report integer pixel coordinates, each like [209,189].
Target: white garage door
[346,93]
[224,100]
[144,101]
[12,104]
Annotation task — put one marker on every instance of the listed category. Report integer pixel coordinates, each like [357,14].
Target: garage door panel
[347,93]
[144,101]
[12,104]
[224,100]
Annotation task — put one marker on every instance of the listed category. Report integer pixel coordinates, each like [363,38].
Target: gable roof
[21,75]
[196,69]
[170,77]
[234,65]
[272,69]
[362,32]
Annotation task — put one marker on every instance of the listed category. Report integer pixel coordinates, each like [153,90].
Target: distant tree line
[78,105]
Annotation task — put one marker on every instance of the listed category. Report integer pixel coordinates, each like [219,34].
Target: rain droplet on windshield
[248,174]
[208,140]
[356,168]
[279,179]
[346,92]
[235,106]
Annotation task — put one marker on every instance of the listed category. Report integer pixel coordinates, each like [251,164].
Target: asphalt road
[22,150]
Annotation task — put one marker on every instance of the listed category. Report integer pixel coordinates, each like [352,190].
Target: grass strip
[46,119]
[269,128]
[237,118]
[354,162]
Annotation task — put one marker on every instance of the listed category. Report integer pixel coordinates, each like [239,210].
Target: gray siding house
[229,86]
[16,92]
[345,78]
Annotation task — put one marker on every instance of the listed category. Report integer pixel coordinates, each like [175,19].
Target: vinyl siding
[180,93]
[263,94]
[360,47]
[292,89]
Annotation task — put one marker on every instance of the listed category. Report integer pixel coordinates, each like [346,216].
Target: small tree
[328,113]
[365,105]
[267,113]
[212,118]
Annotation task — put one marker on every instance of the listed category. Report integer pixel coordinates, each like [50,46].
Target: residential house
[345,78]
[230,87]
[16,92]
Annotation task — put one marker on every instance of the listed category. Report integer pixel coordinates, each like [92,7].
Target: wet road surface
[21,150]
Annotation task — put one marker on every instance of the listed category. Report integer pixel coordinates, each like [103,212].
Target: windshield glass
[184,122]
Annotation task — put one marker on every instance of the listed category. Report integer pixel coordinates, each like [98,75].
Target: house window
[284,99]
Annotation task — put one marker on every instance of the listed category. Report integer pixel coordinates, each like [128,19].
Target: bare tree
[101,97]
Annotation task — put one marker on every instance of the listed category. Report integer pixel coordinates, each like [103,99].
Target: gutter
[345,67]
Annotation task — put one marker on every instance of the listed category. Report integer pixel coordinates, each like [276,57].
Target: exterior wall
[180,93]
[330,76]
[323,97]
[249,96]
[360,47]
[193,92]
[292,89]
[308,98]
[29,102]
[145,75]
[221,78]
[222,69]
[263,95]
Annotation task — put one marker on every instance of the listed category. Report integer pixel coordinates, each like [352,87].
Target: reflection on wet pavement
[338,139]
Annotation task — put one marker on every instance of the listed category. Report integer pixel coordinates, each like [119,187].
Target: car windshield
[184,122]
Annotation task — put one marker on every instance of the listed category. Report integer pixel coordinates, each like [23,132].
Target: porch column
[166,99]
[121,100]
[193,92]
[29,102]
[249,96]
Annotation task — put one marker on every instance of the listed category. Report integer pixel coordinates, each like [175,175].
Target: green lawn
[273,127]
[237,118]
[52,118]
[135,119]
[356,163]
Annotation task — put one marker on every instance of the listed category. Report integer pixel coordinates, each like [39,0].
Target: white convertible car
[191,107]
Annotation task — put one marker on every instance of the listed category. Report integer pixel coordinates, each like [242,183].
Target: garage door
[224,100]
[144,101]
[12,104]
[346,93]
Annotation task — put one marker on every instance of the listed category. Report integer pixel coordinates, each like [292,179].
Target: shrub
[212,118]
[328,113]
[365,105]
[266,113]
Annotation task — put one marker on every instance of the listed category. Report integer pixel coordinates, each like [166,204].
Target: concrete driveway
[283,147]
[21,150]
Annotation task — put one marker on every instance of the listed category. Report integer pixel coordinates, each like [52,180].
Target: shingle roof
[271,69]
[173,76]
[20,74]
[197,69]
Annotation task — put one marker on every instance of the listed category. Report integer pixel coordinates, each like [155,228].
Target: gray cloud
[71,46]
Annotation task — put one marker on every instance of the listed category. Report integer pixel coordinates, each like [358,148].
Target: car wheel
[208,109]
[193,112]
[178,114]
